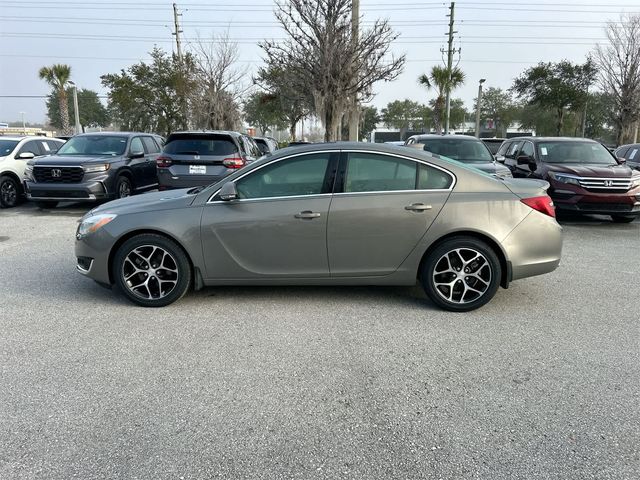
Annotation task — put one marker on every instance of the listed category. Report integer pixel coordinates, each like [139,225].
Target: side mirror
[499,158]
[137,154]
[621,160]
[26,156]
[228,192]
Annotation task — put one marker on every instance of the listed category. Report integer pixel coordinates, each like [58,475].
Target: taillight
[163,162]
[542,204]
[234,162]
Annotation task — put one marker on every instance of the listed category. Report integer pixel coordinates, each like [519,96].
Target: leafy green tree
[148,97]
[440,80]
[92,112]
[601,115]
[263,110]
[556,86]
[405,115]
[57,76]
[369,118]
[498,106]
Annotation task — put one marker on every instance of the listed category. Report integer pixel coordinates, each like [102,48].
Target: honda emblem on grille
[608,183]
[56,172]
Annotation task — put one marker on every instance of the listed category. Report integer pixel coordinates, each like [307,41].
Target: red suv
[584,176]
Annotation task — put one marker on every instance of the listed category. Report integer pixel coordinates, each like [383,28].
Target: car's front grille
[605,207]
[58,194]
[58,174]
[612,185]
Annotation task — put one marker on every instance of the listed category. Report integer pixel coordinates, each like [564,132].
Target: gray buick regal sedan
[328,214]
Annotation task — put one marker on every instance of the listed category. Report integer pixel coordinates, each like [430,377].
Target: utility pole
[177,33]
[449,68]
[354,117]
[479,102]
[78,127]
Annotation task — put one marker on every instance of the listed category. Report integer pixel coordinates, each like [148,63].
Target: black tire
[623,218]
[486,283]
[46,204]
[10,192]
[152,295]
[124,187]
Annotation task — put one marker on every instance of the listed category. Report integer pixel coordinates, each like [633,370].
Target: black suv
[197,158]
[94,166]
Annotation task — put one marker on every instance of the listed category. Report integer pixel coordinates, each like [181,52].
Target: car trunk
[525,188]
[200,154]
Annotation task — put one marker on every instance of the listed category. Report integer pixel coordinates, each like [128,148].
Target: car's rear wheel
[461,274]
[623,218]
[123,187]
[46,204]
[10,192]
[152,270]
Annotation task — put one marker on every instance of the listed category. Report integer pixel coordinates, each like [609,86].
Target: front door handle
[418,207]
[307,214]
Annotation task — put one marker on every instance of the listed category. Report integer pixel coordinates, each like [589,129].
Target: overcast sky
[498,39]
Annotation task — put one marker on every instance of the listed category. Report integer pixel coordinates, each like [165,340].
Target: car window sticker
[633,154]
[45,146]
[543,150]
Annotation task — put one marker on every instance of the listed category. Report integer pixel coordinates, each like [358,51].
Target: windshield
[94,145]
[462,150]
[7,146]
[575,152]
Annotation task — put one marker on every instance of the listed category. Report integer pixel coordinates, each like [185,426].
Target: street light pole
[479,100]
[24,128]
[78,128]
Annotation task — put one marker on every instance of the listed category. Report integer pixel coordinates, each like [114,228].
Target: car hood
[598,171]
[147,202]
[72,160]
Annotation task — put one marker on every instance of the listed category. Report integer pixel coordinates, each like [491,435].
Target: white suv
[15,152]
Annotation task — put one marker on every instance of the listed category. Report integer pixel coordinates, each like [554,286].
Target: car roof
[6,137]
[434,136]
[205,132]
[554,139]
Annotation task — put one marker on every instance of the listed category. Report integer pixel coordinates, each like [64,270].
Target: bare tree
[323,59]
[220,83]
[619,66]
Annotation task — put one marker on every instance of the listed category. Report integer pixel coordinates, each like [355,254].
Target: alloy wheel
[150,272]
[124,189]
[462,275]
[9,193]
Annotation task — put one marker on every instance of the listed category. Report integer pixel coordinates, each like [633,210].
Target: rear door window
[53,145]
[632,154]
[30,146]
[149,145]
[368,172]
[203,145]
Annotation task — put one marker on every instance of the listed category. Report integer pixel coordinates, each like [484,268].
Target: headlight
[93,224]
[564,178]
[101,167]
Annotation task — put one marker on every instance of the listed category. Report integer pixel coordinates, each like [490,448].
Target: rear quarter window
[200,145]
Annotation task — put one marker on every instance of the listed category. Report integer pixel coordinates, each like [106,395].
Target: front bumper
[92,256]
[611,204]
[90,191]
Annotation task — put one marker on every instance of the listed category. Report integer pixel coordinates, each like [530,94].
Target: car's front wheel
[623,218]
[152,270]
[9,192]
[124,187]
[461,274]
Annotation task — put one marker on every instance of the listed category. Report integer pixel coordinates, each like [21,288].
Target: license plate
[198,169]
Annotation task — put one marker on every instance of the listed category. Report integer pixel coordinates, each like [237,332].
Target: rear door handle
[418,207]
[307,214]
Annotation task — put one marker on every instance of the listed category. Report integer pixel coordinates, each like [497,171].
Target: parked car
[585,177]
[463,148]
[493,144]
[328,214]
[266,145]
[630,153]
[191,159]
[15,152]
[94,166]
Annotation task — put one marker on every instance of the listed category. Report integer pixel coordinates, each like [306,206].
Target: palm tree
[58,76]
[439,79]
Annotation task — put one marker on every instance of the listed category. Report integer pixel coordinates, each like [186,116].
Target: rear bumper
[534,247]
[167,180]
[77,192]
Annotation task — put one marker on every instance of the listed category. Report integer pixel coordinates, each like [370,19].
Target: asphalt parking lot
[318,382]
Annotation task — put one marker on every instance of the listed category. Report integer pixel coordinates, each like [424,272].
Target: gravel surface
[317,382]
